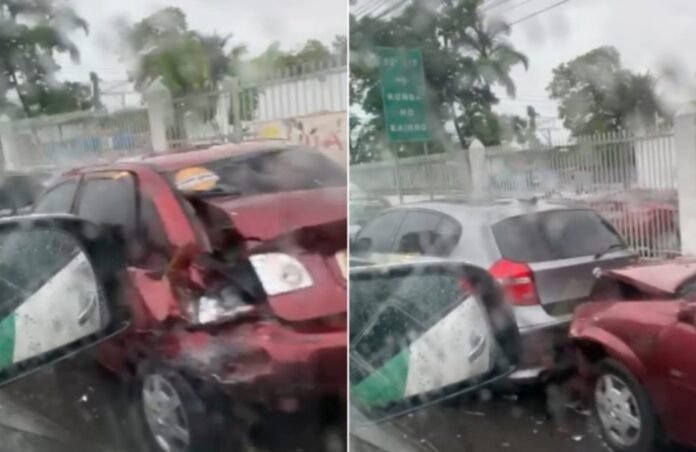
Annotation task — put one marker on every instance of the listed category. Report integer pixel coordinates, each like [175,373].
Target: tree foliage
[313,54]
[33,32]
[596,94]
[187,61]
[464,57]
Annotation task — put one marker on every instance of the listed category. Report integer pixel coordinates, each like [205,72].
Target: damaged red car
[637,346]
[238,271]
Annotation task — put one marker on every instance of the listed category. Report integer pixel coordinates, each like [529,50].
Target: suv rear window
[552,235]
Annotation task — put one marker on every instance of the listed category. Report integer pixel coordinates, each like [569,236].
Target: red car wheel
[623,409]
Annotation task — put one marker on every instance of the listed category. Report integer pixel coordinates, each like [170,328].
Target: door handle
[478,348]
[87,311]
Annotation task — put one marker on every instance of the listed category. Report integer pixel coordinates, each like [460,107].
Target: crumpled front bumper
[267,360]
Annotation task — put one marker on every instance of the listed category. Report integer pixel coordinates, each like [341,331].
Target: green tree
[33,32]
[187,61]
[313,54]
[596,94]
[464,57]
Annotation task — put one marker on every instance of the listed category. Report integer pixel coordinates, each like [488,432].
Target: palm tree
[486,59]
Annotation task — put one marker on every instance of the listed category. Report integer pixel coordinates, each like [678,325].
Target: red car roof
[178,160]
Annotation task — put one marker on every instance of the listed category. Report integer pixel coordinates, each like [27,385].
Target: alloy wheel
[165,414]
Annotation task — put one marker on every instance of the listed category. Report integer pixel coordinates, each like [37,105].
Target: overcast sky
[651,35]
[257,24]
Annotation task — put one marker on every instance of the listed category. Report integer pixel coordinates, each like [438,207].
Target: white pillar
[159,109]
[232,86]
[8,143]
[685,153]
[477,166]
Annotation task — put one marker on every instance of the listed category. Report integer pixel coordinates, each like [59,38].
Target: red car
[648,219]
[237,261]
[637,342]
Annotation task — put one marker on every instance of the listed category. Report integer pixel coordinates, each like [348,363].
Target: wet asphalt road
[77,406]
[496,423]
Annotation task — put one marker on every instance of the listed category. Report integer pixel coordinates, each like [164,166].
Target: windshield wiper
[609,248]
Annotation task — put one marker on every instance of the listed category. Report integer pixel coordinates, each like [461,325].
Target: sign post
[403,100]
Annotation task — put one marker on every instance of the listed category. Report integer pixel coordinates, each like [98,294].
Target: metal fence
[629,178]
[79,138]
[247,109]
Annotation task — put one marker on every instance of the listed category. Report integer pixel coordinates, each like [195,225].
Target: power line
[393,8]
[536,13]
[516,5]
[361,8]
[376,5]
[370,7]
[492,4]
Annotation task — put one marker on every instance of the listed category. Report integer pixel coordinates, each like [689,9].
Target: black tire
[204,431]
[649,436]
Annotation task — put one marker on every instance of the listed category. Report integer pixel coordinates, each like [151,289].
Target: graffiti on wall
[326,132]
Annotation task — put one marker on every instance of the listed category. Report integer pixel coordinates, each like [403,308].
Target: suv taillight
[517,281]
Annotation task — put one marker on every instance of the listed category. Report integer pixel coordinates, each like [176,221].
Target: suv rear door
[562,249]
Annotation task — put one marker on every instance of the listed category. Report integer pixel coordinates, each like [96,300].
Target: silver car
[544,254]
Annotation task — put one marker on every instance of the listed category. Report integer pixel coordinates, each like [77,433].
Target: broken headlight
[218,307]
[280,273]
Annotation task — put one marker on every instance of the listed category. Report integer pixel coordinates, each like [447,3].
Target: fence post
[231,85]
[479,172]
[685,162]
[8,144]
[158,109]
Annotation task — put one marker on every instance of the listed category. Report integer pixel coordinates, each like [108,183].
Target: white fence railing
[629,178]
[306,104]
[77,138]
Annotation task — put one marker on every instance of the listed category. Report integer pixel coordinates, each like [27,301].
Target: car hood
[309,225]
[659,279]
[624,318]
[268,216]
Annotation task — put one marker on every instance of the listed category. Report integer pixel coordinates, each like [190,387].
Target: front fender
[614,347]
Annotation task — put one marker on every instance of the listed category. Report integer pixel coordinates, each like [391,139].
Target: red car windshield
[270,171]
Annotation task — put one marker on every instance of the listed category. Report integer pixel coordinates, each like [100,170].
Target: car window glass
[109,199]
[58,200]
[27,252]
[388,315]
[417,232]
[446,238]
[378,235]
[559,234]
[268,172]
[152,224]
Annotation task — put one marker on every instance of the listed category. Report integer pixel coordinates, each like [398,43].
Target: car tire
[623,410]
[190,415]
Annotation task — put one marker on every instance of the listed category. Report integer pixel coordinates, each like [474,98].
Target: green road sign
[403,94]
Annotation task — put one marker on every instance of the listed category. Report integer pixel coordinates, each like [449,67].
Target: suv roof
[492,210]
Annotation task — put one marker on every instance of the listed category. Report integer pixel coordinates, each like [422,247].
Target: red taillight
[517,281]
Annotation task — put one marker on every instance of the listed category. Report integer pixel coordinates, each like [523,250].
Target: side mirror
[424,332]
[62,288]
[359,246]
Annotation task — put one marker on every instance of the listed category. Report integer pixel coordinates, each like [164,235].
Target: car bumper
[268,360]
[542,336]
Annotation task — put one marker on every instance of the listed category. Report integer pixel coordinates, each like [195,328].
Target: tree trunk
[15,83]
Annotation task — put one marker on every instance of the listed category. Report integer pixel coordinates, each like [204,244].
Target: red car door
[676,396]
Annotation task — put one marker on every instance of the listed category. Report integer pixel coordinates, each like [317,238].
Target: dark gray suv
[544,253]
